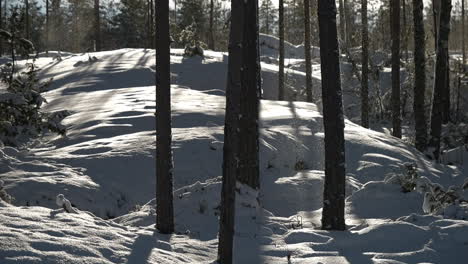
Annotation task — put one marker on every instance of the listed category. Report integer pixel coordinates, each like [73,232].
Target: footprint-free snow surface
[105,166]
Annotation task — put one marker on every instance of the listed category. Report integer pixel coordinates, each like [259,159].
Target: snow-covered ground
[106,167]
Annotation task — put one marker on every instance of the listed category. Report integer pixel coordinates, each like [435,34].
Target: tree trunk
[231,135]
[27,20]
[334,190]
[249,158]
[211,42]
[342,22]
[420,76]
[47,29]
[1,27]
[440,82]
[308,59]
[152,22]
[97,25]
[365,67]
[405,31]
[395,32]
[463,35]
[164,166]
[281,51]
[436,17]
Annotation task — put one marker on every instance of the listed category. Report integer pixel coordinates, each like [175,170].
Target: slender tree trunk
[463,35]
[420,76]
[405,31]
[365,67]
[281,52]
[334,190]
[436,17]
[440,82]
[395,32]
[175,12]
[249,158]
[231,135]
[211,43]
[308,59]
[47,33]
[347,20]
[342,23]
[152,22]
[1,27]
[164,166]
[28,36]
[267,20]
[97,26]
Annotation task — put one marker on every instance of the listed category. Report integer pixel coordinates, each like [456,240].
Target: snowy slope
[105,166]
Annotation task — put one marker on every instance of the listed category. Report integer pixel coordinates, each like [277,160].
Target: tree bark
[405,31]
[365,67]
[395,32]
[342,22]
[420,76]
[334,189]
[47,33]
[1,27]
[97,25]
[308,59]
[231,135]
[211,43]
[27,19]
[281,51]
[440,82]
[164,166]
[249,158]
[463,34]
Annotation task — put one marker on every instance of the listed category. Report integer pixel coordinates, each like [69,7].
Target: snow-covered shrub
[408,181]
[3,194]
[450,203]
[454,135]
[21,101]
[188,38]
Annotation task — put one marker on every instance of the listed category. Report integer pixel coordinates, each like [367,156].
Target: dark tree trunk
[405,31]
[26,21]
[47,33]
[249,159]
[308,59]
[334,192]
[1,27]
[395,32]
[463,35]
[152,22]
[420,75]
[436,20]
[97,25]
[440,82]
[211,41]
[365,67]
[164,166]
[231,135]
[281,51]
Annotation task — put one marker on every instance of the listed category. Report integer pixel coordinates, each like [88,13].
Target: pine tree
[250,92]
[365,67]
[281,51]
[420,76]
[1,27]
[267,17]
[395,33]
[308,59]
[164,166]
[440,82]
[97,25]
[231,135]
[342,22]
[26,23]
[211,41]
[334,189]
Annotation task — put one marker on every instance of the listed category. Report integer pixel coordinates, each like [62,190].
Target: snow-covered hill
[106,167]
